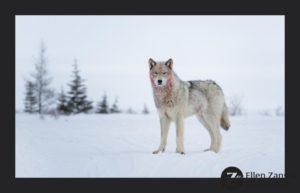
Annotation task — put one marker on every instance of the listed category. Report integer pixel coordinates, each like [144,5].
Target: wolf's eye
[155,73]
[164,73]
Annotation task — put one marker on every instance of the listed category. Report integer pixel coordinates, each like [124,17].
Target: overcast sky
[243,54]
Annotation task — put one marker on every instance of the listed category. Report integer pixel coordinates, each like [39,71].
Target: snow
[121,145]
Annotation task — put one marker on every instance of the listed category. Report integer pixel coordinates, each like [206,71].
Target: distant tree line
[236,108]
[40,97]
[278,111]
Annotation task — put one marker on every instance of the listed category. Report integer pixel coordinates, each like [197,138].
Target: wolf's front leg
[164,128]
[179,135]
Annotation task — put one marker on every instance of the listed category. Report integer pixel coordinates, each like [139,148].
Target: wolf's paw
[180,152]
[157,151]
[211,150]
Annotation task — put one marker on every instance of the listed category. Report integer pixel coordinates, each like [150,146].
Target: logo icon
[232,178]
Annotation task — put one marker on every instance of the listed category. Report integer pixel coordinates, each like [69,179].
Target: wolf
[176,100]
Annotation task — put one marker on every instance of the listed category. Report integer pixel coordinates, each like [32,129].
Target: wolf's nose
[159,81]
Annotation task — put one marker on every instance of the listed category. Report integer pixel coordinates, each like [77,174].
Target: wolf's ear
[151,63]
[169,63]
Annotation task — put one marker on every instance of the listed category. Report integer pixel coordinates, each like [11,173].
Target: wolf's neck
[166,91]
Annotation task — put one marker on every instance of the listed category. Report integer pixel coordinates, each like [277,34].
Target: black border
[149,184]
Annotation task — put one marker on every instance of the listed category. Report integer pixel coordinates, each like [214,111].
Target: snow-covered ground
[121,145]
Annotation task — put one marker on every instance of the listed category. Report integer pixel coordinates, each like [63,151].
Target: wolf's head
[161,73]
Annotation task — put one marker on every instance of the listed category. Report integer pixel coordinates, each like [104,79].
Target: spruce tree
[145,111]
[62,106]
[30,99]
[115,108]
[77,102]
[103,106]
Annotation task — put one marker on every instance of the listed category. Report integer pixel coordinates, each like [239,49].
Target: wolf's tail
[225,124]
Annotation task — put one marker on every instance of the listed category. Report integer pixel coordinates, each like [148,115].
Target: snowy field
[121,145]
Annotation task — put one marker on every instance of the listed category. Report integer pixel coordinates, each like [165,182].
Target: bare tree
[44,94]
[235,105]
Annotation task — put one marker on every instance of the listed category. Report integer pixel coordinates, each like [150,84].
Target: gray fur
[176,100]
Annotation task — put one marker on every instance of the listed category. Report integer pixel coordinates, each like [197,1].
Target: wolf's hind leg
[214,123]
[207,127]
